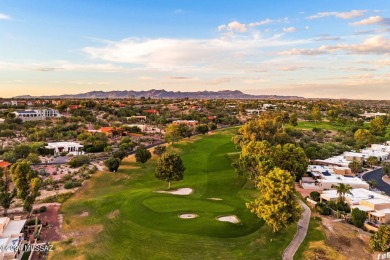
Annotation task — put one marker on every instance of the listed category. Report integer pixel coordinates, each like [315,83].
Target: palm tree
[342,189]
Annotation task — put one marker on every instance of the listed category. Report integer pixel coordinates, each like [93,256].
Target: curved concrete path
[303,225]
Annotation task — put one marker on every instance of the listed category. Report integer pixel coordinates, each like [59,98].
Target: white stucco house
[69,147]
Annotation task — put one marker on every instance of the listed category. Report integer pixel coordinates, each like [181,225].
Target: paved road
[303,225]
[377,175]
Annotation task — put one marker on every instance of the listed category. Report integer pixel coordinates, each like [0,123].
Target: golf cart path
[303,225]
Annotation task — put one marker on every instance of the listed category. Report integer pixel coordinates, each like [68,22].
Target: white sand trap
[182,191]
[188,216]
[214,199]
[232,219]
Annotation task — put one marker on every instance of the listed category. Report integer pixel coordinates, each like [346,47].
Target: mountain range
[153,93]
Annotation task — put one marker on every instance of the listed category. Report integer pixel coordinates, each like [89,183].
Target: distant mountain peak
[162,93]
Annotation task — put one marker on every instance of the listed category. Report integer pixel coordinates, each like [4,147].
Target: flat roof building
[68,147]
[36,115]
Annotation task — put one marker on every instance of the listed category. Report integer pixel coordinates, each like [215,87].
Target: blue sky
[310,48]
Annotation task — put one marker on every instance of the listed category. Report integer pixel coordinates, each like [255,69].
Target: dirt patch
[343,241]
[85,235]
[319,250]
[114,214]
[51,217]
[84,214]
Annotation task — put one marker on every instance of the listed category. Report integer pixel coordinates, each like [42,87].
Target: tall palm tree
[342,189]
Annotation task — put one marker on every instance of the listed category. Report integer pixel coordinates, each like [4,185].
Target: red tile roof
[4,164]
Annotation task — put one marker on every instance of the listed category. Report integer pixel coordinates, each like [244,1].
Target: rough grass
[147,225]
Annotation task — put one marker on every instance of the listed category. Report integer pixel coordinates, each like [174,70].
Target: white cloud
[372,21]
[260,23]
[167,54]
[375,45]
[4,17]
[289,29]
[342,15]
[303,52]
[236,26]
[233,27]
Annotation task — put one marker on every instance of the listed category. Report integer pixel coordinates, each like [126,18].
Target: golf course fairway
[128,219]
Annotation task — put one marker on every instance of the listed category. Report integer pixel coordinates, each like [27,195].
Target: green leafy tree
[172,133]
[277,204]
[212,126]
[378,126]
[185,131]
[292,159]
[170,168]
[363,137]
[316,114]
[358,217]
[355,166]
[380,241]
[315,195]
[26,182]
[372,161]
[293,119]
[120,154]
[202,129]
[33,158]
[142,154]
[342,189]
[9,156]
[266,128]
[6,195]
[22,151]
[159,150]
[79,160]
[112,164]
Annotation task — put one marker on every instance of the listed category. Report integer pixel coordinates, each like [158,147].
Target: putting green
[148,226]
[167,204]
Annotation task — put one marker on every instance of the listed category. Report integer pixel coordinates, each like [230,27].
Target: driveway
[377,175]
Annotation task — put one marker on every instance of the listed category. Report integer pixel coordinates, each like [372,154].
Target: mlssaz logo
[28,248]
[38,248]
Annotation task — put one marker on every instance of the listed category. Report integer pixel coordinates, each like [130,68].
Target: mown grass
[146,223]
[309,125]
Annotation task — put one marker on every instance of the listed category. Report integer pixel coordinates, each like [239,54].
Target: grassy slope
[314,234]
[147,226]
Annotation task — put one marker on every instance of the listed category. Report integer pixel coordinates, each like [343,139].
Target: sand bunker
[232,219]
[214,199]
[182,191]
[188,216]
